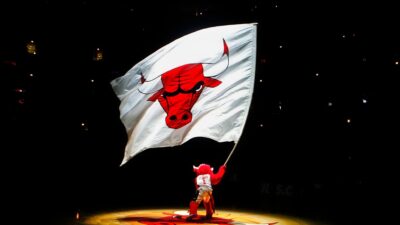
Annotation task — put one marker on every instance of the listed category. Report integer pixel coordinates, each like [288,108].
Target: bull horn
[143,88]
[216,68]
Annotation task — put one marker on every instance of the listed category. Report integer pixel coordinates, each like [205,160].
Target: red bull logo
[182,87]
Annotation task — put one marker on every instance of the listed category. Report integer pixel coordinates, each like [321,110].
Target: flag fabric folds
[199,85]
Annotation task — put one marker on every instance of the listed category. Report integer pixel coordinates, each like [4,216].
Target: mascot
[204,181]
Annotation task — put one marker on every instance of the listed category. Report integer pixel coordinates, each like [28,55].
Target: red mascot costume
[205,179]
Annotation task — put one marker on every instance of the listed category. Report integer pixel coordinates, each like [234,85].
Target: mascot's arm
[216,178]
[195,183]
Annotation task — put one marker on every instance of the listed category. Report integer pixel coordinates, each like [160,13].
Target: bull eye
[198,87]
[167,94]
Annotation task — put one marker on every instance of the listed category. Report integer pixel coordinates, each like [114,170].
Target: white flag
[200,85]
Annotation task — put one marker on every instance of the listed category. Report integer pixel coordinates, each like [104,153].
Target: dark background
[320,140]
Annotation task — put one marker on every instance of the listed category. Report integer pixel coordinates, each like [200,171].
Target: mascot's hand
[223,167]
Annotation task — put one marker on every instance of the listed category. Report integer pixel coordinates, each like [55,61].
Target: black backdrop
[298,154]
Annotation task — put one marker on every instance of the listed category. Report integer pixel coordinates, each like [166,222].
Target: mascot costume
[204,181]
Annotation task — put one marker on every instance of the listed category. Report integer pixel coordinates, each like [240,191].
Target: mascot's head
[203,169]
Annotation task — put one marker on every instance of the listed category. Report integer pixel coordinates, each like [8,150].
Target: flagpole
[230,154]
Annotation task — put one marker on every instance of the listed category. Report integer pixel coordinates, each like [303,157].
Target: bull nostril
[172,117]
[185,117]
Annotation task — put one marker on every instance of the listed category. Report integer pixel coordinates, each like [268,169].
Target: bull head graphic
[182,87]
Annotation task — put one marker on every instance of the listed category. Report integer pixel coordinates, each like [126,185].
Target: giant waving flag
[199,85]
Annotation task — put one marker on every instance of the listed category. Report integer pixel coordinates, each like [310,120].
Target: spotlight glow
[166,216]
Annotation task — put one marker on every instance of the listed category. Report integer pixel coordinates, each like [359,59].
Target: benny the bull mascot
[204,181]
